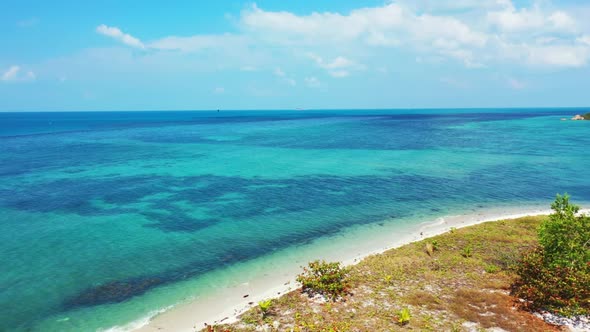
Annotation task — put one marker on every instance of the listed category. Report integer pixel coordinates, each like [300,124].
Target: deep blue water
[99,212]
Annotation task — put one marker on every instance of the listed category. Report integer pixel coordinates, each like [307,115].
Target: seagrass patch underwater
[102,213]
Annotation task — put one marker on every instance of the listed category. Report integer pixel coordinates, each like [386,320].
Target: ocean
[108,217]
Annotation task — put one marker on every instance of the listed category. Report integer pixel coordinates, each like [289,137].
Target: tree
[565,236]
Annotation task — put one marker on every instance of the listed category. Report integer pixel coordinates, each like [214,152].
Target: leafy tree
[565,237]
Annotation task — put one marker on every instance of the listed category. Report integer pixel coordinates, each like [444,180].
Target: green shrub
[467,252]
[559,289]
[403,316]
[491,268]
[327,279]
[265,307]
[586,116]
[565,237]
[556,275]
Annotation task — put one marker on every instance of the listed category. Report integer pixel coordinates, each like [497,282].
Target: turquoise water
[105,217]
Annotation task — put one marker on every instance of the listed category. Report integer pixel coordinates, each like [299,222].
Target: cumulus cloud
[511,19]
[559,55]
[16,74]
[474,33]
[546,53]
[388,25]
[119,35]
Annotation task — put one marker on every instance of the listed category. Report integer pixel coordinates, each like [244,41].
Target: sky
[274,54]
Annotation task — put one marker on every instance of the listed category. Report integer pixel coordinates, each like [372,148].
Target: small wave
[136,324]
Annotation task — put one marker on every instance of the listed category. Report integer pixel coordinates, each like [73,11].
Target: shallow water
[105,217]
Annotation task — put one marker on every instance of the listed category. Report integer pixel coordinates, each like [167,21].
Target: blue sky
[137,55]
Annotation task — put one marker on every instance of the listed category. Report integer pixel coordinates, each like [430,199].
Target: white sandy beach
[279,270]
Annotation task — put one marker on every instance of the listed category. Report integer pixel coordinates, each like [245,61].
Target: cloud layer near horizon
[403,53]
[481,34]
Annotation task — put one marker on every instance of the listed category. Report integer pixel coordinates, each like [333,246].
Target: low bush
[491,268]
[556,275]
[467,252]
[564,290]
[404,316]
[327,279]
[265,307]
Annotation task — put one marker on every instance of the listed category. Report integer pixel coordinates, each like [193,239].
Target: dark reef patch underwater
[99,212]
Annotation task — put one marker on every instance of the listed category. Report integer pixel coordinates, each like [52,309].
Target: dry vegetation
[458,281]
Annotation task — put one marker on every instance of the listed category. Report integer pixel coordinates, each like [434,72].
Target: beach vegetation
[555,275]
[442,292]
[565,236]
[586,116]
[491,268]
[403,316]
[325,278]
[265,307]
[467,251]
[215,328]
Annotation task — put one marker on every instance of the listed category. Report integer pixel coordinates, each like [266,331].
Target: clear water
[105,217]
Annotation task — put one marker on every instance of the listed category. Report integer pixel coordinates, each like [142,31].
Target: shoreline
[226,304]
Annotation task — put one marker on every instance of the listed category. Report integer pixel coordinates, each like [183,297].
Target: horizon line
[303,109]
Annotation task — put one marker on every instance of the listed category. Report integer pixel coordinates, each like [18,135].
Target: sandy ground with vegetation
[464,285]
[225,305]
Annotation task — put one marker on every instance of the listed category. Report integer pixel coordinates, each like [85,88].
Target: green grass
[464,277]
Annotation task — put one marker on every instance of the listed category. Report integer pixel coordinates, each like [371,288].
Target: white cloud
[339,62]
[555,53]
[11,73]
[338,67]
[312,82]
[584,40]
[559,55]
[119,35]
[278,72]
[474,33]
[197,43]
[562,21]
[15,74]
[388,25]
[512,20]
